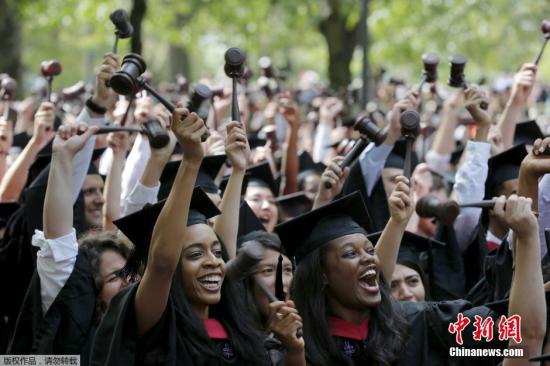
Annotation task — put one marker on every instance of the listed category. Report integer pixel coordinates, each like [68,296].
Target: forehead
[402,271]
[354,239]
[258,191]
[111,261]
[92,180]
[391,172]
[199,233]
[271,256]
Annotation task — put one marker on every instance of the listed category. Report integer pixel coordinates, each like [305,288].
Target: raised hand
[118,142]
[188,129]
[6,137]
[536,163]
[410,102]
[143,111]
[401,202]
[516,213]
[236,145]
[215,144]
[289,109]
[336,177]
[473,97]
[330,108]
[103,95]
[71,139]
[524,80]
[43,125]
[284,322]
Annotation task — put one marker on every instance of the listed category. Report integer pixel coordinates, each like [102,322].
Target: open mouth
[368,279]
[264,219]
[211,282]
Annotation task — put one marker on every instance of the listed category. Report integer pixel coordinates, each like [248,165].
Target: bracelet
[94,107]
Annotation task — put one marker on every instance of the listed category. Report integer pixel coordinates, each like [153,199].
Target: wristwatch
[94,107]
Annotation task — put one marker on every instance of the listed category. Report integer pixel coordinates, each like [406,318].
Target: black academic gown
[377,202]
[429,338]
[69,324]
[117,342]
[18,256]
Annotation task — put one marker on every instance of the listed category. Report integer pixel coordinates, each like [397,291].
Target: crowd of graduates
[245,240]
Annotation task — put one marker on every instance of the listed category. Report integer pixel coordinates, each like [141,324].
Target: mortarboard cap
[412,246]
[138,226]
[248,221]
[254,141]
[503,167]
[527,132]
[396,159]
[208,171]
[6,210]
[303,234]
[261,175]
[225,180]
[306,163]
[294,204]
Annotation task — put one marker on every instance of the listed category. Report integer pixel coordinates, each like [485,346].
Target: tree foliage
[495,35]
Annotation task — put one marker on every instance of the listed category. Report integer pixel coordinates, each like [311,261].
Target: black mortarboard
[412,246]
[261,175]
[396,159]
[527,132]
[254,141]
[303,234]
[6,210]
[208,171]
[306,163]
[138,226]
[248,221]
[503,167]
[294,204]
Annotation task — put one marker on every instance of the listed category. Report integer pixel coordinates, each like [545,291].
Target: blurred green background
[191,36]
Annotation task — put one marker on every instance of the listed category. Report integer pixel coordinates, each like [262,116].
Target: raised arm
[289,110]
[402,206]
[118,143]
[527,299]
[167,239]
[238,152]
[524,81]
[14,180]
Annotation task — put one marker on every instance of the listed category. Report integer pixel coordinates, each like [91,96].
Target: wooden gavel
[545,29]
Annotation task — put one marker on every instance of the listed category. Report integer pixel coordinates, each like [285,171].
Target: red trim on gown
[214,329]
[345,329]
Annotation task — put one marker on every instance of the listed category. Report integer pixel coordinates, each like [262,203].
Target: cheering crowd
[133,235]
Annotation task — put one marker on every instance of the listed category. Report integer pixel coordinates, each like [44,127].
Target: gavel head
[431,206]
[125,81]
[200,94]
[8,87]
[410,124]
[50,68]
[266,65]
[366,127]
[234,62]
[456,78]
[124,28]
[158,136]
[545,27]
[430,60]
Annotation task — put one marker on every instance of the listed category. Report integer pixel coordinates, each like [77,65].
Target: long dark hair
[94,245]
[387,329]
[268,241]
[245,340]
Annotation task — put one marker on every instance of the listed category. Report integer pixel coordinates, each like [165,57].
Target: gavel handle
[482,105]
[422,83]
[351,156]
[109,129]
[49,92]
[272,298]
[408,155]
[115,45]
[235,112]
[479,204]
[6,110]
[125,116]
[541,51]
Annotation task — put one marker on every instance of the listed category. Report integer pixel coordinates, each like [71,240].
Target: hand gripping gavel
[234,68]
[446,212]
[410,129]
[456,78]
[129,80]
[369,131]
[545,29]
[124,28]
[49,69]
[8,87]
[430,60]
[157,135]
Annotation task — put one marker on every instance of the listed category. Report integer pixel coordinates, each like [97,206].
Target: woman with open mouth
[182,312]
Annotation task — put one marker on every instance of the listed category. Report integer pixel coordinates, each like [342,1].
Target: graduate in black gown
[182,312]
